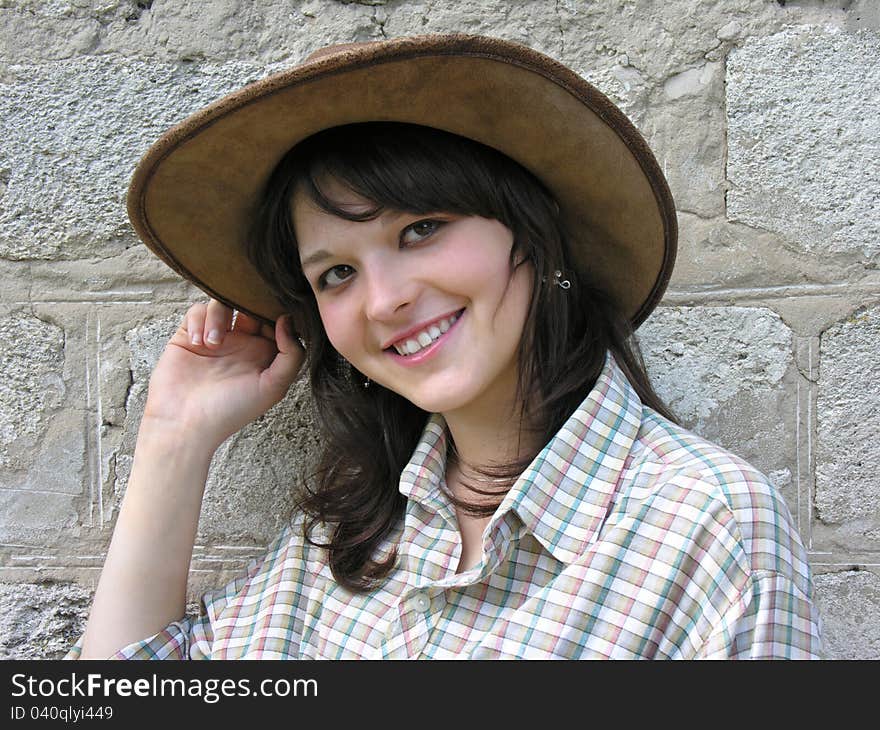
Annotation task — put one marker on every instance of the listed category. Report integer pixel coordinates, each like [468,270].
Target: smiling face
[425,305]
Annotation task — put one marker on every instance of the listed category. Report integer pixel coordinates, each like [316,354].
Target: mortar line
[89,454]
[44,570]
[780,290]
[797,449]
[56,556]
[810,426]
[25,490]
[725,134]
[117,298]
[99,416]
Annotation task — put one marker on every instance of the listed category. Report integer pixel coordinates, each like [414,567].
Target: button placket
[412,629]
[422,602]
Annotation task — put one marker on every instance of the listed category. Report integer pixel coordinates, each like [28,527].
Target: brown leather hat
[193,192]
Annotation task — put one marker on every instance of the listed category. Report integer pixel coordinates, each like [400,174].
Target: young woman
[457,236]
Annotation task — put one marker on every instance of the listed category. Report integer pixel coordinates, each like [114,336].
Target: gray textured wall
[763,113]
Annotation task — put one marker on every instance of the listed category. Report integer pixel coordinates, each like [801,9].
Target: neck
[486,437]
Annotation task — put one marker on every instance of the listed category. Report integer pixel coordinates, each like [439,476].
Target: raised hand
[213,378]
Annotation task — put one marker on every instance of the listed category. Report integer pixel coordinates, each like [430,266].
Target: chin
[445,402]
[431,404]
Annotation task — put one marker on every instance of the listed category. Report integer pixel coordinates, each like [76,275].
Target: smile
[419,340]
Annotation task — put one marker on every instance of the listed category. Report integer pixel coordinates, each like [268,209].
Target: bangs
[412,169]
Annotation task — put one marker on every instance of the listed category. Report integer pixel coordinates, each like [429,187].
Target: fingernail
[196,338]
[214,337]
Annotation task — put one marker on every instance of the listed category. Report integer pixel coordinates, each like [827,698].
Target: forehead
[318,230]
[309,217]
[336,193]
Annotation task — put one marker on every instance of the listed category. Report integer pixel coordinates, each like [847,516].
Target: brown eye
[335,276]
[419,231]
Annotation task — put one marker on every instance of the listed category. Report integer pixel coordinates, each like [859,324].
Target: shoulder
[290,559]
[673,470]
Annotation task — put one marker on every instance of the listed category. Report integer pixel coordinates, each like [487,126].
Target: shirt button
[422,602]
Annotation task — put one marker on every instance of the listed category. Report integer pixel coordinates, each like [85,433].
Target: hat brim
[193,194]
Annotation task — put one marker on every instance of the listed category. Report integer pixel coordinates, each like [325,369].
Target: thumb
[276,379]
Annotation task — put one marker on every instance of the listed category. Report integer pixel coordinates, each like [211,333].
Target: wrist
[175,439]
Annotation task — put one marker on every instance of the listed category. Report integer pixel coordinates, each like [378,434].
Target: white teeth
[426,336]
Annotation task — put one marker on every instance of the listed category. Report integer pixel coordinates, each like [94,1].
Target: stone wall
[765,115]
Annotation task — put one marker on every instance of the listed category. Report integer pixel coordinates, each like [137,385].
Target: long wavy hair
[369,434]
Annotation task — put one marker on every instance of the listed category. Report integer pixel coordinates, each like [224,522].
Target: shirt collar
[421,478]
[563,496]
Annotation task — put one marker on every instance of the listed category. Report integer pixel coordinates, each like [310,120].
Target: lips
[417,339]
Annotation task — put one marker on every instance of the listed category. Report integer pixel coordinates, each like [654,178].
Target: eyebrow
[322,254]
[316,257]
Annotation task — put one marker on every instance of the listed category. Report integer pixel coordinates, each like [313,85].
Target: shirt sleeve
[188,638]
[772,619]
[193,637]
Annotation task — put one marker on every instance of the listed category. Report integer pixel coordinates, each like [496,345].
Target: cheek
[338,324]
[519,295]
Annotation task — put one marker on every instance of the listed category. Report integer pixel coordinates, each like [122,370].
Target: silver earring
[558,280]
[367,383]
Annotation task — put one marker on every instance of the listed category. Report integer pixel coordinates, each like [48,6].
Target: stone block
[62,417]
[661,40]
[263,31]
[849,604]
[31,386]
[535,24]
[863,14]
[803,113]
[663,35]
[847,453]
[726,372]
[74,131]
[54,29]
[41,620]
[725,262]
[253,30]
[15,281]
[715,255]
[134,275]
[685,128]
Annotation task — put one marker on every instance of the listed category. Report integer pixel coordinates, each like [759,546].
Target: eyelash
[436,225]
[412,227]
[322,280]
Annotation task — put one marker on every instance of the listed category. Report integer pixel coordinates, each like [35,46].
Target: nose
[389,290]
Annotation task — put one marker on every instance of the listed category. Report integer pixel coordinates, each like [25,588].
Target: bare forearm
[143,584]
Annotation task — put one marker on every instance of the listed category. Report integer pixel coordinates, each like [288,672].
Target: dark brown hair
[369,434]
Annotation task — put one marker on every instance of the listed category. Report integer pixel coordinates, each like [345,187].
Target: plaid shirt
[627,537]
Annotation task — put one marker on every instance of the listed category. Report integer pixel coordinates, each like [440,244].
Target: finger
[194,322]
[267,331]
[286,337]
[276,379]
[218,319]
[247,324]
